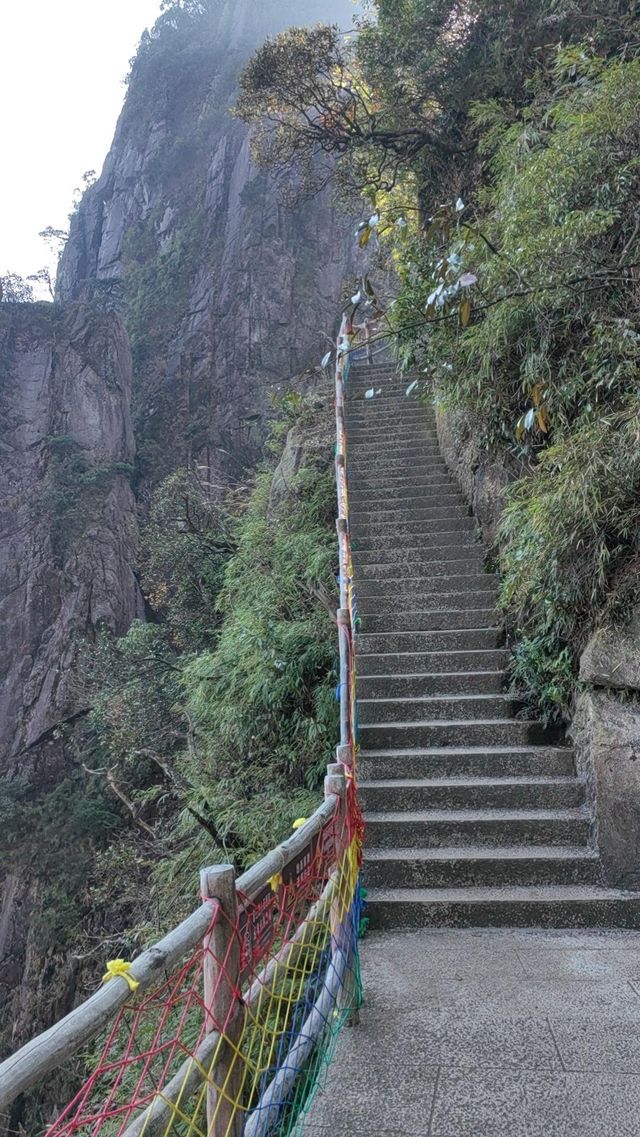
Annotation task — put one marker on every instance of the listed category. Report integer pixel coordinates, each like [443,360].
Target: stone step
[409,418]
[421,531]
[412,734]
[364,521]
[432,662]
[543,906]
[433,708]
[374,607]
[407,497]
[380,378]
[400,422]
[440,559]
[430,510]
[380,482]
[449,575]
[443,531]
[384,570]
[443,577]
[466,554]
[430,483]
[381,405]
[445,683]
[420,497]
[423,620]
[390,459]
[389,393]
[381,643]
[472,762]
[444,828]
[480,866]
[371,452]
[391,436]
[412,794]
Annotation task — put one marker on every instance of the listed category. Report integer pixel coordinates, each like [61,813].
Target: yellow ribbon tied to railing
[121,968]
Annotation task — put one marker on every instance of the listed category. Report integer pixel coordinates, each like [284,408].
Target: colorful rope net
[234,1041]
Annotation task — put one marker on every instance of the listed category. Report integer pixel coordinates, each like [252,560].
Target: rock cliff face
[67,512]
[227,293]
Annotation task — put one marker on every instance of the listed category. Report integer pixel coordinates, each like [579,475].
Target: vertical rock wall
[227,293]
[67,513]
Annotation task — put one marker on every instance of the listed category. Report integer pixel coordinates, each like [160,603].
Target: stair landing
[490,1033]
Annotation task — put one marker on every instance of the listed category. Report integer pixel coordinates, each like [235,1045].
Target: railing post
[223,1009]
[341,932]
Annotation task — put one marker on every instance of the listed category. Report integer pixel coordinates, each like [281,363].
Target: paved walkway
[490,1034]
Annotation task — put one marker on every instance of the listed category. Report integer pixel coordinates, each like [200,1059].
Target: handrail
[346,618]
[49,1050]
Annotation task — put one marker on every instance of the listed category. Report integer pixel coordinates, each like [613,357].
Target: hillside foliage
[495,146]
[210,725]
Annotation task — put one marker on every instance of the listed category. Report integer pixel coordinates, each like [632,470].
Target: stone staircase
[474,816]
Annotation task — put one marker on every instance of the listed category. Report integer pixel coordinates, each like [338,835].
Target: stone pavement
[490,1033]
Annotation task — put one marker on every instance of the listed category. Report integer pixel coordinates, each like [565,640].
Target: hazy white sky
[62,63]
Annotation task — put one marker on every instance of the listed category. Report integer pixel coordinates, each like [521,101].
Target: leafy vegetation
[496,149]
[210,725]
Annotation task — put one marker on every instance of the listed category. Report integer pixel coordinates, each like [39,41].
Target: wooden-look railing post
[223,1009]
[341,945]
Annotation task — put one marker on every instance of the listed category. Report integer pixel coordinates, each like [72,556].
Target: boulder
[606,735]
[612,657]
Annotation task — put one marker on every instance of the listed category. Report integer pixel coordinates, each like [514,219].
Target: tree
[397,98]
[14,289]
[43,277]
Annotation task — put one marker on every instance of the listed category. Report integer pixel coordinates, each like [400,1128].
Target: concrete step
[444,828]
[429,510]
[422,497]
[447,683]
[542,906]
[411,794]
[383,607]
[423,620]
[408,561]
[481,866]
[391,437]
[382,568]
[367,412]
[380,581]
[381,643]
[405,498]
[460,522]
[421,531]
[407,420]
[412,734]
[390,387]
[472,762]
[433,662]
[365,486]
[432,708]
[363,520]
[398,580]
[389,460]
[372,452]
[389,393]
